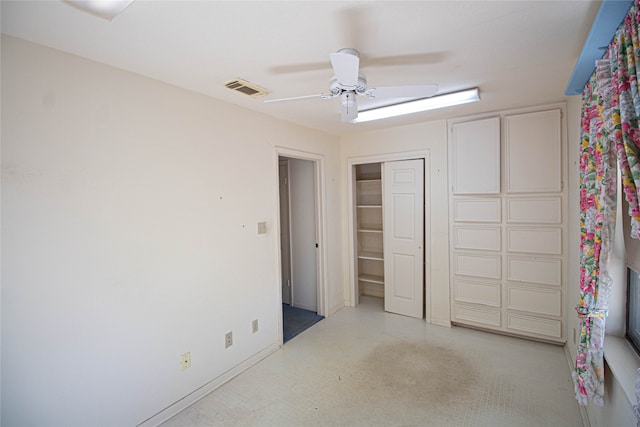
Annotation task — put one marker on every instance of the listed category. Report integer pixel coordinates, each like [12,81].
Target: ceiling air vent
[246,88]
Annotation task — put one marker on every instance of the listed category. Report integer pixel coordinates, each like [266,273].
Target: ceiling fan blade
[345,66]
[403,60]
[298,68]
[417,91]
[296,98]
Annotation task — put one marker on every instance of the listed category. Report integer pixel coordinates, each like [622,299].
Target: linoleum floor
[364,367]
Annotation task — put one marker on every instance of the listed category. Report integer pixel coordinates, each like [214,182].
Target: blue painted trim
[609,18]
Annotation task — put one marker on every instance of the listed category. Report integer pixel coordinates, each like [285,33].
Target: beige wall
[431,136]
[129,234]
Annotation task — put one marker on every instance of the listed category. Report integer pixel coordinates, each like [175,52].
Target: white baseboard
[445,323]
[333,310]
[198,394]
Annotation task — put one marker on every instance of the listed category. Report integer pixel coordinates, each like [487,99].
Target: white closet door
[404,237]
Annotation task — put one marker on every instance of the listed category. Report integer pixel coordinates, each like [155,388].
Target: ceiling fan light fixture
[425,104]
[105,9]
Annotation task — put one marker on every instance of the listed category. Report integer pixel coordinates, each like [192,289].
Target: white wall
[431,136]
[129,237]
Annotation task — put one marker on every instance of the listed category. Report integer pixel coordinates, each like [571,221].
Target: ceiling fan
[347,83]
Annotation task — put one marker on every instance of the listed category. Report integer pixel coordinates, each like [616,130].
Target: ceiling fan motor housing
[337,88]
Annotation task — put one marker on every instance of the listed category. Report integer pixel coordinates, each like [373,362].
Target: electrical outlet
[228,339]
[185,361]
[254,326]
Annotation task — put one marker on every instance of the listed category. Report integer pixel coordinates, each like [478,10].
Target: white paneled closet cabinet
[508,222]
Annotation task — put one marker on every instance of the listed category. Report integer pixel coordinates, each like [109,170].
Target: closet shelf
[370,228]
[369,180]
[377,256]
[369,206]
[371,278]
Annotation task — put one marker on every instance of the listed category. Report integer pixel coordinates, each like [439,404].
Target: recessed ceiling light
[439,101]
[106,9]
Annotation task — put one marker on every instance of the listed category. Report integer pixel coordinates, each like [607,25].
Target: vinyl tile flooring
[364,367]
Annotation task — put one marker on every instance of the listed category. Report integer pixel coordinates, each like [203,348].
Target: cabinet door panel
[475,152]
[534,270]
[483,315]
[477,292]
[533,152]
[478,265]
[534,325]
[539,240]
[535,300]
[482,238]
[476,209]
[541,210]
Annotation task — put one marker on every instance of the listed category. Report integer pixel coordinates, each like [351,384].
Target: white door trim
[321,226]
[379,158]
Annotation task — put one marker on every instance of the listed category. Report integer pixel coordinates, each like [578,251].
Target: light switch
[262,227]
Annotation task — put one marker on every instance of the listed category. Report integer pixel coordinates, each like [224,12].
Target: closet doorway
[387,221]
[300,238]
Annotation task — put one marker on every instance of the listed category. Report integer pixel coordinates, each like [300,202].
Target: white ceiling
[518,53]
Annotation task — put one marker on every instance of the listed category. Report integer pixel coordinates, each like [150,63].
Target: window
[633,308]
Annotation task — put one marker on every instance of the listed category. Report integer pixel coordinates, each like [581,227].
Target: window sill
[624,363]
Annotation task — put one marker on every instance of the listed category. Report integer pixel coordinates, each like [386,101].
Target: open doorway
[299,244]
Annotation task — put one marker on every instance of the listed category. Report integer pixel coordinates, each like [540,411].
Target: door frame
[351,227]
[318,161]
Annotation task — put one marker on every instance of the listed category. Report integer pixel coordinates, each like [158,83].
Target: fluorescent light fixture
[106,9]
[439,101]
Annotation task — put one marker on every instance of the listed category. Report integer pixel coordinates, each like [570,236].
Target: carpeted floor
[296,320]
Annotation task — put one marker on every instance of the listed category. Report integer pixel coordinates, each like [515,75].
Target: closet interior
[369,226]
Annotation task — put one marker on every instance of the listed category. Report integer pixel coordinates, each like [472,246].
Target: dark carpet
[296,320]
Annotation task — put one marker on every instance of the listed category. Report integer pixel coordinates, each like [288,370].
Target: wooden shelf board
[370,255]
[371,278]
[367,228]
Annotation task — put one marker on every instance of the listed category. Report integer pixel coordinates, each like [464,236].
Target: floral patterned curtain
[609,135]
[598,178]
[624,52]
